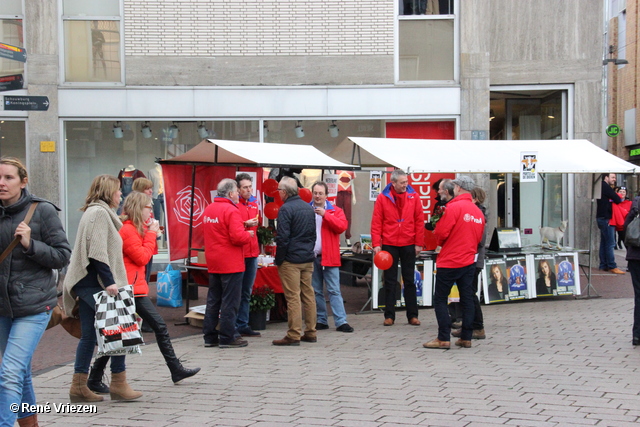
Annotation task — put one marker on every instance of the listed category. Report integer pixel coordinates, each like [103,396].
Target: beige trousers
[296,283]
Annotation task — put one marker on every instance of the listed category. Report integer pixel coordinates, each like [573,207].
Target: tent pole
[593,200]
[544,182]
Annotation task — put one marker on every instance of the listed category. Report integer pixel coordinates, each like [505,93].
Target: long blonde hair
[102,189]
[132,209]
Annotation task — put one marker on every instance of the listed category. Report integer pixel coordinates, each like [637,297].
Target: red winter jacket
[249,209]
[619,213]
[387,228]
[224,237]
[334,223]
[137,252]
[458,232]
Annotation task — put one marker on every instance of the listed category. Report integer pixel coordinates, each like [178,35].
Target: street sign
[13,82]
[13,52]
[613,130]
[22,103]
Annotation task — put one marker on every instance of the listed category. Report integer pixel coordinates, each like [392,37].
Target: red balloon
[277,199]
[270,186]
[305,194]
[271,210]
[383,260]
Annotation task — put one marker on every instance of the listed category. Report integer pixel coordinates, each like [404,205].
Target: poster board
[567,273]
[423,277]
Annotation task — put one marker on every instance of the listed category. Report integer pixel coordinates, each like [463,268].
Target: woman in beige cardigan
[96,265]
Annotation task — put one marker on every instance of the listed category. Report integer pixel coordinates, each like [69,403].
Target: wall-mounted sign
[22,103]
[13,52]
[613,130]
[13,82]
[634,152]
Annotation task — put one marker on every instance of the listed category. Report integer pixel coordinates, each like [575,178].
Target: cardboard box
[201,258]
[195,319]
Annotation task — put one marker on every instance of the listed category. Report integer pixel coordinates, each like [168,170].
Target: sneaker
[286,341]
[345,327]
[436,343]
[321,326]
[211,344]
[239,342]
[249,333]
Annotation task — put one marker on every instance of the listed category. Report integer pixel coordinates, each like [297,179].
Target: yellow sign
[47,146]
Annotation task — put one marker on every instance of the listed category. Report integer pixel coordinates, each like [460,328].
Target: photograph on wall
[419,279]
[375,184]
[496,288]
[568,276]
[545,275]
[517,277]
[365,242]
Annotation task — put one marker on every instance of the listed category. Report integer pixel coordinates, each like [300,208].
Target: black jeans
[634,269]
[223,301]
[407,257]
[445,279]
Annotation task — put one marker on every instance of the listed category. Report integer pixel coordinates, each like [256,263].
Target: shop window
[11,33]
[13,139]
[92,48]
[426,40]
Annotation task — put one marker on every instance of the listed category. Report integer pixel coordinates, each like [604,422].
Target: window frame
[455,17]
[61,42]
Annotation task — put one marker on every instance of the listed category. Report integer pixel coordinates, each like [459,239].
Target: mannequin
[346,196]
[126,177]
[155,175]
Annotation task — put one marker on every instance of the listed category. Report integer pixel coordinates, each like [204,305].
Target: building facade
[131,81]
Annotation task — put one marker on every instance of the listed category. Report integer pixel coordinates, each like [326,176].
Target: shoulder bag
[632,236]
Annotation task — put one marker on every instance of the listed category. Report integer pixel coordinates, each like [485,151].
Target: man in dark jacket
[295,240]
[607,231]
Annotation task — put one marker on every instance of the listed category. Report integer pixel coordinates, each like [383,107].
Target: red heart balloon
[271,210]
[270,186]
[305,194]
[383,260]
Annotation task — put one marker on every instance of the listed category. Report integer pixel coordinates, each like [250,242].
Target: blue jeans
[250,270]
[330,276]
[19,338]
[223,300]
[607,244]
[87,343]
[445,279]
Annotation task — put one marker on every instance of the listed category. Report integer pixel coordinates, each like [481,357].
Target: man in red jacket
[397,227]
[331,222]
[224,238]
[459,232]
[250,213]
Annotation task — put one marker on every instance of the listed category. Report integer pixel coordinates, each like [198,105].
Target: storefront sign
[634,152]
[613,130]
[24,103]
[13,52]
[13,82]
[528,160]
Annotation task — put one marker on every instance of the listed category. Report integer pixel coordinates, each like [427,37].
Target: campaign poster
[331,179]
[496,288]
[420,277]
[528,164]
[568,276]
[517,277]
[375,185]
[545,275]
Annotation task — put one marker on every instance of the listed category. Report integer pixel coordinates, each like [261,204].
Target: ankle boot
[30,421]
[96,373]
[79,392]
[120,390]
[179,372]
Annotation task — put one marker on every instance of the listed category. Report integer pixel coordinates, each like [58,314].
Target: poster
[517,277]
[331,179]
[375,184]
[568,276]
[528,163]
[423,278]
[545,275]
[496,288]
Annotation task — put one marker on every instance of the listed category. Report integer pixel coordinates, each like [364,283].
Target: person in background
[607,231]
[144,185]
[97,264]
[27,286]
[330,223]
[619,214]
[633,263]
[139,232]
[250,214]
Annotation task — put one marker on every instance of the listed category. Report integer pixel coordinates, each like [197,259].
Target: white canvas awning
[479,156]
[255,154]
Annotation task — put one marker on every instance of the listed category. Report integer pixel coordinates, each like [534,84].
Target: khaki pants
[296,283]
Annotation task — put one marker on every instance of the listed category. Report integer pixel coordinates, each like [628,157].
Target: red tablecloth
[265,276]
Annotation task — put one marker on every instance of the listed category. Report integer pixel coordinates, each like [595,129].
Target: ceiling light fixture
[333,129]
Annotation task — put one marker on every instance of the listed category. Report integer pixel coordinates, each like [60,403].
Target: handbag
[632,236]
[169,287]
[117,324]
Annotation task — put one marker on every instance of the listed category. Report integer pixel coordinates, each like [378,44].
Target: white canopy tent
[479,156]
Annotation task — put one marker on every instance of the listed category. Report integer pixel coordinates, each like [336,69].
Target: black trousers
[407,257]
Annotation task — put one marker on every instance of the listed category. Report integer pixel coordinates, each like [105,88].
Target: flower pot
[258,320]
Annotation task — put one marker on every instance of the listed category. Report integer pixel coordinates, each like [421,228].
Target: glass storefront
[12,139]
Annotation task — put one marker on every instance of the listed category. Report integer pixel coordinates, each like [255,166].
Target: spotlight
[299,130]
[117,130]
[173,131]
[203,132]
[333,129]
[265,129]
[146,130]
[491,115]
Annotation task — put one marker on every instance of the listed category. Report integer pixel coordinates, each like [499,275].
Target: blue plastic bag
[169,287]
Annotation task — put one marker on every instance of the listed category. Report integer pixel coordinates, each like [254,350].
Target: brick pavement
[544,363]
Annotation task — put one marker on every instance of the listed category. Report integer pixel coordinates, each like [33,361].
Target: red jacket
[619,214]
[458,232]
[387,228]
[224,237]
[334,223]
[137,252]
[249,209]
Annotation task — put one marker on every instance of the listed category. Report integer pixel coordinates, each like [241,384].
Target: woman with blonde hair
[96,264]
[27,285]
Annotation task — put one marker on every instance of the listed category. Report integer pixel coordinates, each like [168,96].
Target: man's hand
[418,250]
[251,222]
[319,211]
[376,250]
[112,290]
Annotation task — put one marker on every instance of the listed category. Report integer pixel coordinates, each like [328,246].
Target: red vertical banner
[422,183]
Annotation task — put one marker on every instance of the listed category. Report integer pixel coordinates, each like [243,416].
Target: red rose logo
[182,206]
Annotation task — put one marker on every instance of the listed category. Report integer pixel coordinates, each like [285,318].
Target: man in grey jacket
[295,240]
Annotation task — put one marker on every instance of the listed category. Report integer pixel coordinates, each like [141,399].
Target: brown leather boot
[79,392]
[120,390]
[30,421]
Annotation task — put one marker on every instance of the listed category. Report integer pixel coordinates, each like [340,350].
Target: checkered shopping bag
[117,324]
